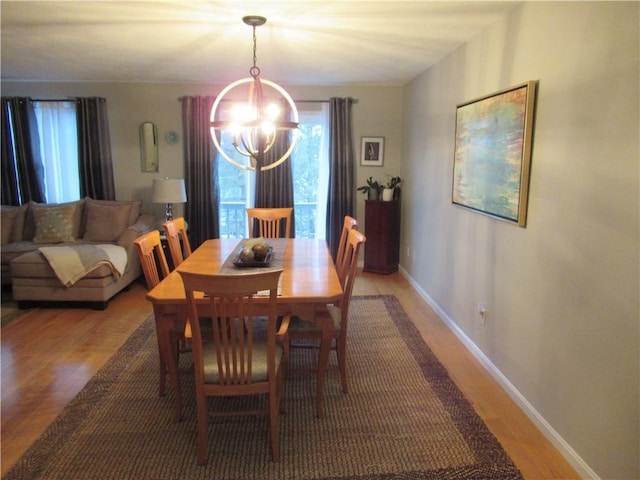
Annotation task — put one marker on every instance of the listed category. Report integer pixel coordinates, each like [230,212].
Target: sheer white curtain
[59,148]
[323,173]
[310,161]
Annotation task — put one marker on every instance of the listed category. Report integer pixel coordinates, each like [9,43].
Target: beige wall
[562,293]
[377,113]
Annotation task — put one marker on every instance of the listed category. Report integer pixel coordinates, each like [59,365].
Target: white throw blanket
[72,262]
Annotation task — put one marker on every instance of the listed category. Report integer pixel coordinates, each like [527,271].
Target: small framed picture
[372,154]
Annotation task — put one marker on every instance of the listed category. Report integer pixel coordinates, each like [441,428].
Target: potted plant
[392,189]
[371,189]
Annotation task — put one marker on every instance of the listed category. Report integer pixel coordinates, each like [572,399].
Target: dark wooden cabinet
[382,229]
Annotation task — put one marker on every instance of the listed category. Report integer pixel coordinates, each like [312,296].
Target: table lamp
[168,191]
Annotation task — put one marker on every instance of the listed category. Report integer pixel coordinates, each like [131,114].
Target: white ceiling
[304,42]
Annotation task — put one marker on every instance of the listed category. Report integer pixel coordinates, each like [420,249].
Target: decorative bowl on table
[254,253]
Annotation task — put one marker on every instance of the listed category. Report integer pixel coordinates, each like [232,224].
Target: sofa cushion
[13,219]
[15,249]
[105,223]
[35,265]
[55,224]
[30,221]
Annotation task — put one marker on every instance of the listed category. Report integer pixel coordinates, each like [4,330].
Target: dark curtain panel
[201,179]
[10,193]
[274,187]
[22,167]
[341,169]
[94,149]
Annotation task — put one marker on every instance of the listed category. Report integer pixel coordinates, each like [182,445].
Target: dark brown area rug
[403,418]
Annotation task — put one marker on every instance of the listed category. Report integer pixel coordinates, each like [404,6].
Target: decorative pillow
[30,224]
[8,219]
[19,223]
[54,224]
[105,223]
[134,214]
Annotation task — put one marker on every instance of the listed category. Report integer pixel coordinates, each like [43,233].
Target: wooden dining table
[308,283]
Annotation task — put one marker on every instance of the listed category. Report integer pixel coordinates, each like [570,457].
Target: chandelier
[255,124]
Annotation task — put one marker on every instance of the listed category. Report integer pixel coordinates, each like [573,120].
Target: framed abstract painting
[492,154]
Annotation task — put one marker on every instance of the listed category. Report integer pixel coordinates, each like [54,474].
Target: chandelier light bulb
[243,113]
[268,128]
[273,112]
[235,128]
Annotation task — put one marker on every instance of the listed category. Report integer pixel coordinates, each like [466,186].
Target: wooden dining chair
[349,224]
[177,239]
[269,222]
[154,263]
[239,360]
[155,268]
[301,329]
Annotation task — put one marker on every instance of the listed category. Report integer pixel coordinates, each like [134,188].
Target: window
[237,188]
[59,149]
[310,168]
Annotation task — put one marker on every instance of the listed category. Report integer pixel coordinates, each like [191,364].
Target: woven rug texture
[403,418]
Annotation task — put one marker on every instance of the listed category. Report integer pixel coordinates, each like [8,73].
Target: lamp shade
[168,190]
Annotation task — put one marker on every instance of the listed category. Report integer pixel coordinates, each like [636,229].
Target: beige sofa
[27,228]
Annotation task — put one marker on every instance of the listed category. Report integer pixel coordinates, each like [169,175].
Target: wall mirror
[149,147]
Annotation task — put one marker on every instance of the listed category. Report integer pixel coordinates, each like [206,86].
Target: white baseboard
[558,442]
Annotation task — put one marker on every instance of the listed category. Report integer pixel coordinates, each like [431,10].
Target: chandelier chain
[255,48]
[255,70]
[255,54]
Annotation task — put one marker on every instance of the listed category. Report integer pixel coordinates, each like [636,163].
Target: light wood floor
[50,354]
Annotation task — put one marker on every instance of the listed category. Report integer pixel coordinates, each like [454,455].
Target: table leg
[162,381]
[326,324]
[164,325]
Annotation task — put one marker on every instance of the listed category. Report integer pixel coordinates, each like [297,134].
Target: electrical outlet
[482,313]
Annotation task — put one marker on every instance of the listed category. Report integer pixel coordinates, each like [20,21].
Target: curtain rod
[68,99]
[355,100]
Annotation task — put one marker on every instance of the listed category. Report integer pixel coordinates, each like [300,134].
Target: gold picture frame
[492,155]
[149,148]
